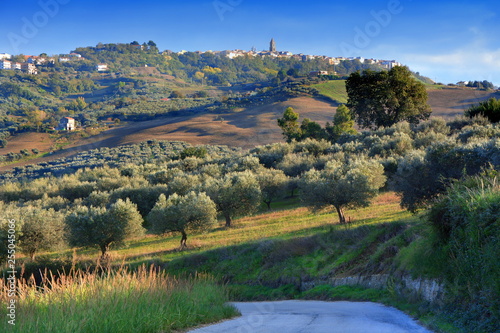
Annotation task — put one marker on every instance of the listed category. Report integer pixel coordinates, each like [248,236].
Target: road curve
[316,317]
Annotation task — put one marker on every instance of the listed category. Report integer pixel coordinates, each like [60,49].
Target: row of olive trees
[38,229]
[418,162]
[101,207]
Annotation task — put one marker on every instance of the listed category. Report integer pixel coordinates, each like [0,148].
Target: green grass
[353,293]
[335,90]
[269,255]
[285,221]
[146,301]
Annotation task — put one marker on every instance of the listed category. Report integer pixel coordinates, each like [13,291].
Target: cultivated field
[450,102]
[40,141]
[245,128]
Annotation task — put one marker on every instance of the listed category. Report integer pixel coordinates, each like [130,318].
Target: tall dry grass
[145,300]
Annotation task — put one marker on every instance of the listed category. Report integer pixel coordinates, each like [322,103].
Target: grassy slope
[334,90]
[288,220]
[269,255]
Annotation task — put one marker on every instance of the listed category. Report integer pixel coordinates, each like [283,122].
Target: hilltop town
[28,63]
[274,53]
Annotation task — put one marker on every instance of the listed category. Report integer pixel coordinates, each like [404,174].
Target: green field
[334,90]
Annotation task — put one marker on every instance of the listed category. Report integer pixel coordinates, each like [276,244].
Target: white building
[5,56]
[29,68]
[66,124]
[390,64]
[102,67]
[5,64]
[318,73]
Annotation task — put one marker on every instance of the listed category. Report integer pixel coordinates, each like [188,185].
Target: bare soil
[40,141]
[246,128]
[451,102]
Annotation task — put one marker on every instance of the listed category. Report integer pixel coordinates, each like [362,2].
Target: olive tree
[343,185]
[103,227]
[144,197]
[272,184]
[193,211]
[423,175]
[237,193]
[272,154]
[183,183]
[41,230]
[296,164]
[34,229]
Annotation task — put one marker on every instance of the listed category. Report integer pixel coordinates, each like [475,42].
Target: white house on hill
[102,67]
[66,124]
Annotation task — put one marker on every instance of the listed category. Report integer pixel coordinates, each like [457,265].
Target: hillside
[449,102]
[286,250]
[143,103]
[335,90]
[293,253]
[245,128]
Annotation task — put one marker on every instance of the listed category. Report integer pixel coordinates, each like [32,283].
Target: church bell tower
[272,46]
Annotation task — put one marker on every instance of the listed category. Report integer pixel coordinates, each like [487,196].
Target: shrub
[467,222]
[199,152]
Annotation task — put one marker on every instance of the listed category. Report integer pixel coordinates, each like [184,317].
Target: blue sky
[448,41]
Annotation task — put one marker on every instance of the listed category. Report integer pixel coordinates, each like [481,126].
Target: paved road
[316,317]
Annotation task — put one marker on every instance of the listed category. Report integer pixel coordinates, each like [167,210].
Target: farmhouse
[102,67]
[66,124]
[318,73]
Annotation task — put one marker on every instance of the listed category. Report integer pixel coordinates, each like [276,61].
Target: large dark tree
[381,99]
[489,109]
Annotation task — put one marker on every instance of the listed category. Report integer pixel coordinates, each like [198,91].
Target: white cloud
[463,64]
[477,60]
